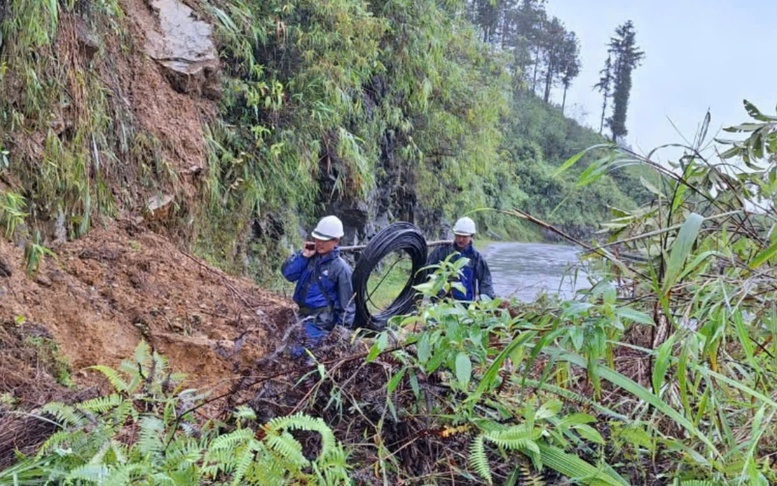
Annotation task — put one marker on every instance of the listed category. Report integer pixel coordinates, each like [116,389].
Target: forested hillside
[376,111]
[144,143]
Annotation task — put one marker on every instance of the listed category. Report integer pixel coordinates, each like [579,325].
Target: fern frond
[232,440]
[142,354]
[301,421]
[183,452]
[190,475]
[189,430]
[518,438]
[515,432]
[478,459]
[119,451]
[99,456]
[125,473]
[268,470]
[65,414]
[125,410]
[288,448]
[160,364]
[243,462]
[57,440]
[113,377]
[101,404]
[150,441]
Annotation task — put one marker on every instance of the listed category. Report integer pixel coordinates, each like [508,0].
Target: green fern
[92,446]
[232,440]
[125,473]
[62,439]
[67,415]
[304,422]
[113,377]
[519,438]
[151,430]
[142,354]
[478,459]
[244,460]
[288,448]
[101,404]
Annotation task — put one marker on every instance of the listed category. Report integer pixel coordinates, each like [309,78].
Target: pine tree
[605,87]
[627,57]
[570,64]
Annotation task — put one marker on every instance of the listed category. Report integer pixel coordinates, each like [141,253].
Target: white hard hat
[464,226]
[329,228]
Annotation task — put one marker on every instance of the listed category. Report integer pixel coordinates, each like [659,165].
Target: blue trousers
[312,337]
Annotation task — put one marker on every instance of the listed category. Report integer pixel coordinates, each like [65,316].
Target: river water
[523,270]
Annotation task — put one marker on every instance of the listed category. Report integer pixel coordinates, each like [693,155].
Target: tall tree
[570,64]
[605,87]
[628,57]
[553,46]
[528,19]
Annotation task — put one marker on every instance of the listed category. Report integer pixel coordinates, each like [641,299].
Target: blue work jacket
[476,277]
[323,287]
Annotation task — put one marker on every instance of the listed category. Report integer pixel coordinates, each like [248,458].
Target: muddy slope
[120,284]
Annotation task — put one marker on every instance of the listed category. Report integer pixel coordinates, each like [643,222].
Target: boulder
[183,46]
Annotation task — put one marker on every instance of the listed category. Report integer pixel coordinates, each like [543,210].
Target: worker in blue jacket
[476,277]
[324,292]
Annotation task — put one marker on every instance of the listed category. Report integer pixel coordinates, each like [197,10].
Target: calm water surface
[523,270]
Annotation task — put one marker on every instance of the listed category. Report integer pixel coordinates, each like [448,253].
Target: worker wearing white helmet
[476,277]
[324,291]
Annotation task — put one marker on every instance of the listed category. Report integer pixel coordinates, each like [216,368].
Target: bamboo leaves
[680,250]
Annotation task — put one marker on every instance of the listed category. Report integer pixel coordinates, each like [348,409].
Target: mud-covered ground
[102,294]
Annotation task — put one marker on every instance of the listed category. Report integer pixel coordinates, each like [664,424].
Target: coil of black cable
[395,237]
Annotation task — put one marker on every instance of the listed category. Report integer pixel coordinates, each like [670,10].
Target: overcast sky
[699,55]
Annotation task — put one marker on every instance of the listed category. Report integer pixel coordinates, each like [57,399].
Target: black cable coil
[395,237]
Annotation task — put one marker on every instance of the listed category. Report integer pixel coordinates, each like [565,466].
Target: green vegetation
[398,109]
[662,373]
[50,358]
[142,434]
[330,105]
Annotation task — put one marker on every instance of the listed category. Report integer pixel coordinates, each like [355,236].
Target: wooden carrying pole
[361,247]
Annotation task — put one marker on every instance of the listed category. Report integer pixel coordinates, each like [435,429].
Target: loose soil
[123,282]
[104,293]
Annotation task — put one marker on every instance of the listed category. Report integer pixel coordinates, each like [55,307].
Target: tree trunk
[536,66]
[564,99]
[505,27]
[548,82]
[604,109]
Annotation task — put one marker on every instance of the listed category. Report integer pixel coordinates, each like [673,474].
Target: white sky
[699,55]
